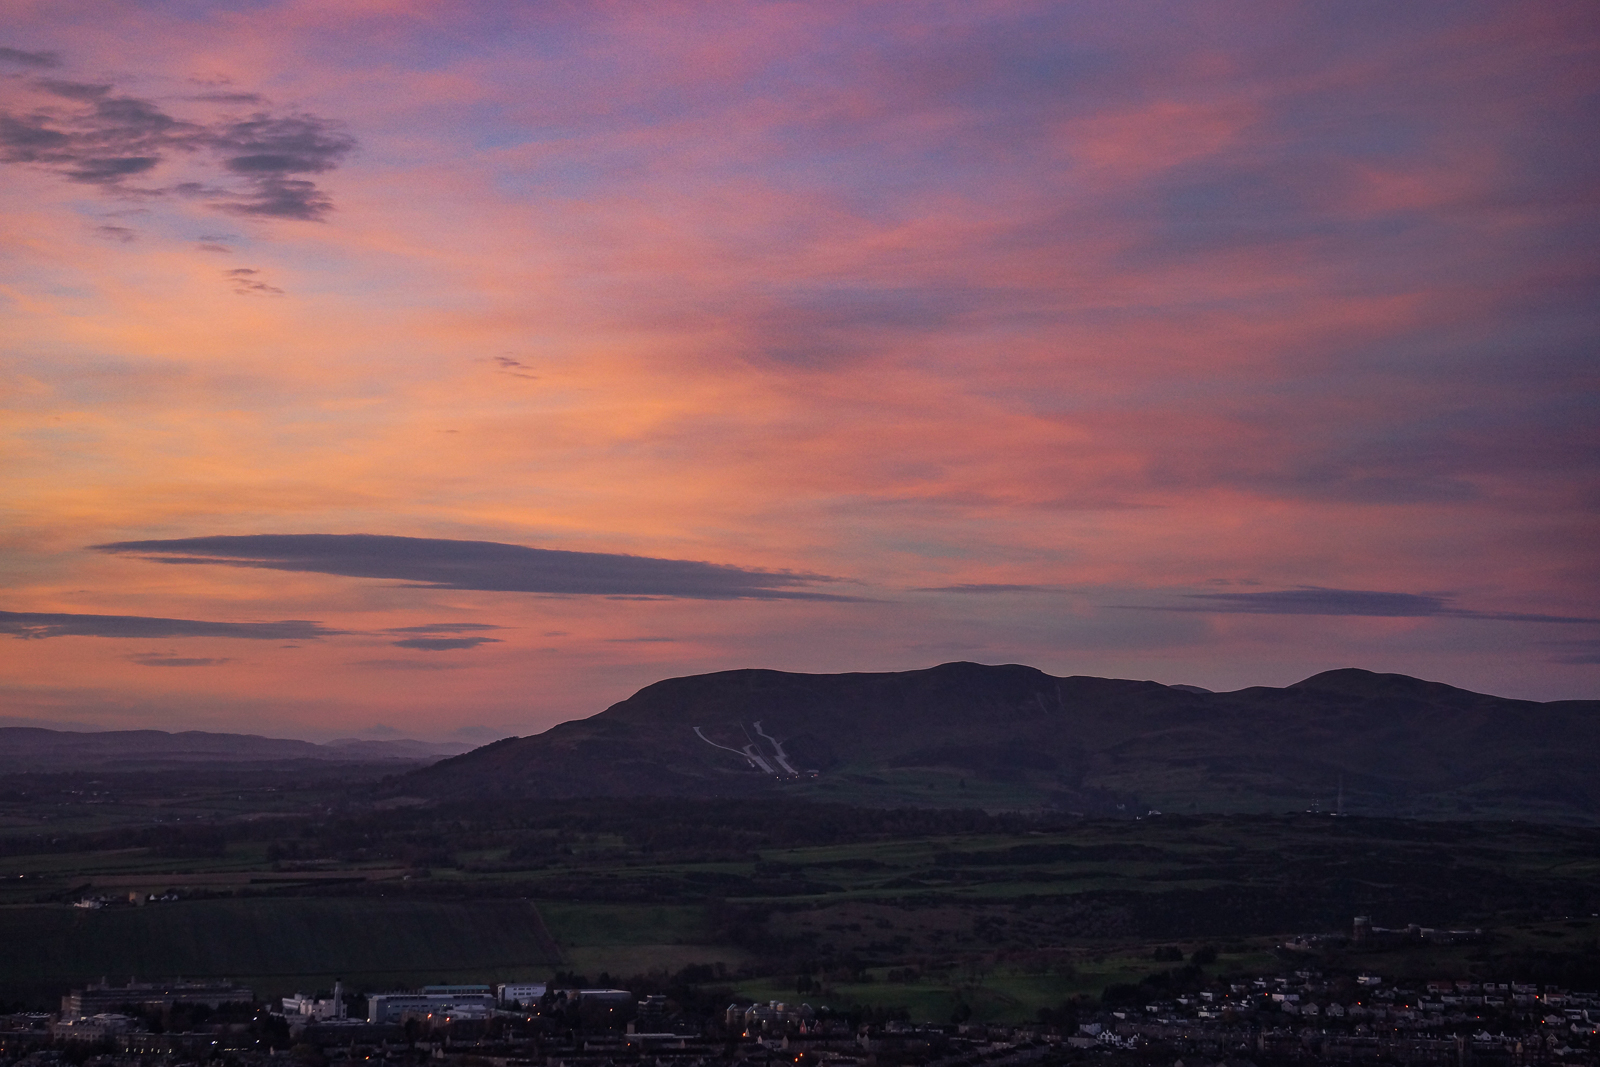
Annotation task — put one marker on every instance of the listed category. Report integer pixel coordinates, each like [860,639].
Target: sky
[450,370]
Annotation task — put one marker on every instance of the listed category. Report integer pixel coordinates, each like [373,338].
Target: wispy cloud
[229,98]
[408,665]
[445,644]
[156,659]
[1577,652]
[443,628]
[257,165]
[246,283]
[37,624]
[485,565]
[1316,600]
[986,587]
[39,60]
[514,367]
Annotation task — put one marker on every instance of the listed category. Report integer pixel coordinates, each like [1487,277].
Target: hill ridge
[37,748]
[1011,735]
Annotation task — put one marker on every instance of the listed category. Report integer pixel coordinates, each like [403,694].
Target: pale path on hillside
[777,747]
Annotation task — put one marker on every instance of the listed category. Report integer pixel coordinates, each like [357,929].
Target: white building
[305,1007]
[392,1007]
[521,995]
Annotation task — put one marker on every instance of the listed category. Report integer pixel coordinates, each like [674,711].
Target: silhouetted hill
[1012,736]
[29,748]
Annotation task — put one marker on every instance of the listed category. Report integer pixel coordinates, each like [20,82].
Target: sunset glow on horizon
[453,370]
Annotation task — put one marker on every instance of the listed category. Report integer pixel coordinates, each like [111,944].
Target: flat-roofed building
[103,997]
[91,1028]
[521,994]
[394,1007]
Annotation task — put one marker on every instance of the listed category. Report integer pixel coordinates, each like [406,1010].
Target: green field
[276,945]
[621,940]
[935,912]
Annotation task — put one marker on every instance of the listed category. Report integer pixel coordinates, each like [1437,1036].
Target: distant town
[1292,1017]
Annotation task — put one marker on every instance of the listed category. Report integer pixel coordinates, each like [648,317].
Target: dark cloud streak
[482,565]
[157,660]
[1317,600]
[1579,652]
[229,98]
[407,665]
[29,59]
[36,625]
[444,644]
[986,587]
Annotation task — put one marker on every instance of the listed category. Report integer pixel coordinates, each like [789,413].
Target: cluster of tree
[1203,956]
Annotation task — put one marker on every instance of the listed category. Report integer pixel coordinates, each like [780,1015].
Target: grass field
[622,940]
[276,945]
[946,912]
[995,991]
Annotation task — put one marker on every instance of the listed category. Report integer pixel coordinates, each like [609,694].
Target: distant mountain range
[27,748]
[967,734]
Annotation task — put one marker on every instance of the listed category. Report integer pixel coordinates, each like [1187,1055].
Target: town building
[460,1002]
[521,995]
[102,997]
[305,1007]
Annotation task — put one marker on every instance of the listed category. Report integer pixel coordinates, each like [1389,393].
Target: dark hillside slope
[968,734]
